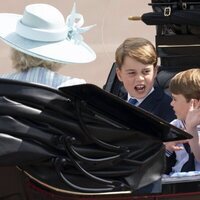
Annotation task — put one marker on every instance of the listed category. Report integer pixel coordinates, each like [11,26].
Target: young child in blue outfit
[184,156]
[137,68]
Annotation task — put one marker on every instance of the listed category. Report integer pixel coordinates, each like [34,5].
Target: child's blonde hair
[186,83]
[140,49]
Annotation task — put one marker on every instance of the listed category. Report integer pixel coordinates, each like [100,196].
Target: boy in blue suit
[137,68]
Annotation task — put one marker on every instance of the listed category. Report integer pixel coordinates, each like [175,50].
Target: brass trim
[74,193]
[134,18]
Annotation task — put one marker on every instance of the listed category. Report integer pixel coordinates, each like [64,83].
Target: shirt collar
[140,100]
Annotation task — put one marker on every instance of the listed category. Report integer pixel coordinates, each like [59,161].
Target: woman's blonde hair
[186,83]
[140,49]
[22,61]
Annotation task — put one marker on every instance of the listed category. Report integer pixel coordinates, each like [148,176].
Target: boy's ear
[156,68]
[155,71]
[118,73]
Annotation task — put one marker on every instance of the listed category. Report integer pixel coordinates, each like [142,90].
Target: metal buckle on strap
[184,5]
[167,11]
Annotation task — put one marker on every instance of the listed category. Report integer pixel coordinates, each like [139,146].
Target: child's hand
[175,145]
[193,116]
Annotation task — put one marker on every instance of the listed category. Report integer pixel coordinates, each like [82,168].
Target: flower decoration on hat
[74,24]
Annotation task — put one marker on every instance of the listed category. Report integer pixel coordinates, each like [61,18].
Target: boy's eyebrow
[148,66]
[130,70]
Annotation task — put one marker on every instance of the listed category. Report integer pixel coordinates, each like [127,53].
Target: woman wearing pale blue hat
[42,41]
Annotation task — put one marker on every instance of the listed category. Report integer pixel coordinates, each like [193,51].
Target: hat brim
[64,51]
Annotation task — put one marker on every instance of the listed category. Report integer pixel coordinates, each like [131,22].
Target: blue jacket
[158,103]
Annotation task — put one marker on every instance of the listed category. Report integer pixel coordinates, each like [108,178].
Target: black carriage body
[75,141]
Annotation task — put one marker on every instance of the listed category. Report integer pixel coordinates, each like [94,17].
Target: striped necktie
[132,101]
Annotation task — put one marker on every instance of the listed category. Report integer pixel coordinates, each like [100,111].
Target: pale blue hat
[42,32]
